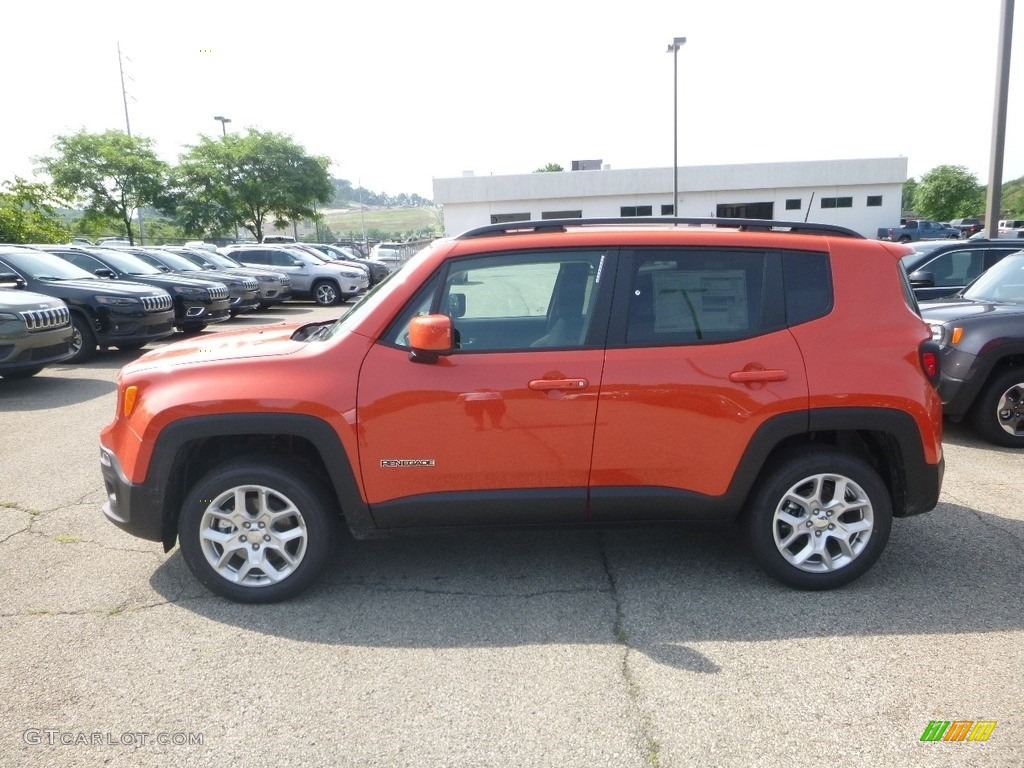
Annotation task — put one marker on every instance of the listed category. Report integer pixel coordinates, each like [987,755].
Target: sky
[399,93]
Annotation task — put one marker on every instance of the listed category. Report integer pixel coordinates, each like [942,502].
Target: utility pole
[128,128]
[994,198]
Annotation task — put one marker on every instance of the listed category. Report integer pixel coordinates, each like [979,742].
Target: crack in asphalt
[121,609]
[75,540]
[646,724]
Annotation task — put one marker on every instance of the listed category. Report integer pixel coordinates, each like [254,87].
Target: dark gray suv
[981,336]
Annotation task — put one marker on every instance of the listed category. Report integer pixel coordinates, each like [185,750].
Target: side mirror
[430,336]
[9,279]
[456,305]
[104,272]
[922,279]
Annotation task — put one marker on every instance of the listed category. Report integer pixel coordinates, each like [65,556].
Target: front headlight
[189,292]
[118,301]
[11,325]
[938,331]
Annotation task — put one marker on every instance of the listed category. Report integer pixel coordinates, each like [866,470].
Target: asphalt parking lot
[623,647]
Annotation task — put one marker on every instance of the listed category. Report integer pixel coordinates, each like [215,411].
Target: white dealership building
[860,194]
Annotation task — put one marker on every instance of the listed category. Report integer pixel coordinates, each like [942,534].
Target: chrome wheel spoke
[283,537]
[792,536]
[224,538]
[791,519]
[801,557]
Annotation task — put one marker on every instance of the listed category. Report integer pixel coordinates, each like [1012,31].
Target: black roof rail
[744,225]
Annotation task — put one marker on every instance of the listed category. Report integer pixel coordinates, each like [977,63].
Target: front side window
[955,268]
[513,301]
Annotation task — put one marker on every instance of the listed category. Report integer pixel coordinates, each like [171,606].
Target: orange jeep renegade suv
[547,373]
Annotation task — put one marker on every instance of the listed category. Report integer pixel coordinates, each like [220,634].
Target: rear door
[500,431]
[699,358]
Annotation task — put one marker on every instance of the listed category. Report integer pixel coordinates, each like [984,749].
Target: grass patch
[393,220]
[67,538]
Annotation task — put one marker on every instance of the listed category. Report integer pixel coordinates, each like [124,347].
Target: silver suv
[311,278]
[35,331]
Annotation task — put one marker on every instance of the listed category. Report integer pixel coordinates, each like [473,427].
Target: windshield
[376,295]
[127,263]
[194,259]
[1003,282]
[222,261]
[45,266]
[174,261]
[304,257]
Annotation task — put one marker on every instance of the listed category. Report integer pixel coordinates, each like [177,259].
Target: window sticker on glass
[700,301]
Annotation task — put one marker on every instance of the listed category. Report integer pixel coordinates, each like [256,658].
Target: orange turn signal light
[131,394]
[958,333]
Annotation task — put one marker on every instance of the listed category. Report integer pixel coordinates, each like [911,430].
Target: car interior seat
[566,323]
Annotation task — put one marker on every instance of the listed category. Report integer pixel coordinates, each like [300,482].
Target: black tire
[905,239]
[326,293]
[794,507]
[998,414]
[83,340]
[265,305]
[133,347]
[286,487]
[22,373]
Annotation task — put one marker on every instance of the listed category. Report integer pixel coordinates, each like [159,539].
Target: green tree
[28,213]
[246,181]
[1013,199]
[948,192]
[909,195]
[111,175]
[550,168]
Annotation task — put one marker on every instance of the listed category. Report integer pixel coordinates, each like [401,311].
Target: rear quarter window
[808,285]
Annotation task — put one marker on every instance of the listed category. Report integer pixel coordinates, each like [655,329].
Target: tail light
[930,363]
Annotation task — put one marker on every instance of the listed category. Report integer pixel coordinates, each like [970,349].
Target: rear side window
[251,256]
[808,281]
[700,296]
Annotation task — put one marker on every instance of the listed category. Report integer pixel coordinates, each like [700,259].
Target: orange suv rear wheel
[819,519]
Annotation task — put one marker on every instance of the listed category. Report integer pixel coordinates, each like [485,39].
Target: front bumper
[958,383]
[134,327]
[190,313]
[135,509]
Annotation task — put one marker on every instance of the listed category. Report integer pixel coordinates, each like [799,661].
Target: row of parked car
[76,298]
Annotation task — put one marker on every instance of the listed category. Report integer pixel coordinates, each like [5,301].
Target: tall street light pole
[128,130]
[673,48]
[993,200]
[223,124]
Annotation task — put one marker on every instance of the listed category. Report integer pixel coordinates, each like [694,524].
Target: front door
[509,415]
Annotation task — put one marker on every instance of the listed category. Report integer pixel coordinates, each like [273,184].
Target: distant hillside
[384,223]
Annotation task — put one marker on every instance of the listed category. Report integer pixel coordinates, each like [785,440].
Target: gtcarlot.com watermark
[54,737]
